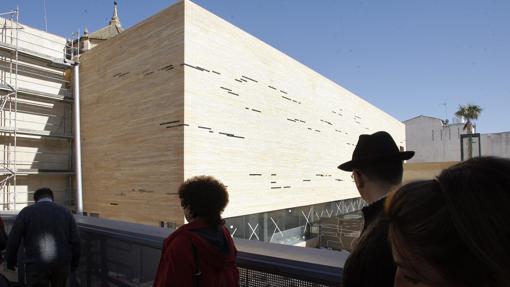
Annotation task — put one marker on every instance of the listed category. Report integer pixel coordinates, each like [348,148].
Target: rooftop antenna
[445,110]
[446,121]
[45,18]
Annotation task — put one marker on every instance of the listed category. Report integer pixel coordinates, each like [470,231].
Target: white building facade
[436,141]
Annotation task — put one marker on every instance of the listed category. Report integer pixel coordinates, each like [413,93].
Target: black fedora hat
[375,148]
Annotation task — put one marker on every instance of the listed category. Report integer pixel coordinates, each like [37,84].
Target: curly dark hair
[206,197]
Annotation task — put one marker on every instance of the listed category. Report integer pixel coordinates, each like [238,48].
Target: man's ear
[358,179]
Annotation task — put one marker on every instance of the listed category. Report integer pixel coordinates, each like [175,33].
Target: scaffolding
[39,63]
[10,37]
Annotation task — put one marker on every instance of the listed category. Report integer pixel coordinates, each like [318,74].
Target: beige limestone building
[186,93]
[182,93]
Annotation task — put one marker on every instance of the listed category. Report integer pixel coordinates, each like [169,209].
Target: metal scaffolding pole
[9,158]
[15,106]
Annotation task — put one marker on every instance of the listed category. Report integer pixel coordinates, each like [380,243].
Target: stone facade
[186,93]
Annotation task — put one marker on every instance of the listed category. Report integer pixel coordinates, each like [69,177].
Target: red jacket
[177,264]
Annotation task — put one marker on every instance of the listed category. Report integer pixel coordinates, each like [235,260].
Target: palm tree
[469,112]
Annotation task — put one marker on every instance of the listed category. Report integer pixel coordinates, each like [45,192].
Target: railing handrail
[318,265]
[310,264]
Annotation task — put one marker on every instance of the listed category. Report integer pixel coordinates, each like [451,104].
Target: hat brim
[352,164]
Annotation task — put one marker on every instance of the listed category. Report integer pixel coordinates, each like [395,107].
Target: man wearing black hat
[376,168]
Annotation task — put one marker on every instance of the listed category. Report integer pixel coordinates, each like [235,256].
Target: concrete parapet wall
[435,141]
[424,170]
[496,144]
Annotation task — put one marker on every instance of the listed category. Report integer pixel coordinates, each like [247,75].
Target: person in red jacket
[202,252]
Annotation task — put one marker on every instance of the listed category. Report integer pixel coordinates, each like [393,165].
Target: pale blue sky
[406,57]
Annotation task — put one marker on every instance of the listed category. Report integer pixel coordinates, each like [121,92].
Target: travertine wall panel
[185,93]
[132,89]
[272,129]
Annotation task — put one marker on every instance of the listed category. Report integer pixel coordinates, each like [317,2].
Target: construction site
[36,107]
[114,121]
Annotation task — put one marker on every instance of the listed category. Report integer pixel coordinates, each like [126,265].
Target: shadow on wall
[43,152]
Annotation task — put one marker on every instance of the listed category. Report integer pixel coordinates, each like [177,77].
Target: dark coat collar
[372,211]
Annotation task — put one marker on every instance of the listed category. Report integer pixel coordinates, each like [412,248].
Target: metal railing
[127,254]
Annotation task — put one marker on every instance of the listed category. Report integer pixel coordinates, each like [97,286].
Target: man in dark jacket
[376,168]
[50,239]
[3,239]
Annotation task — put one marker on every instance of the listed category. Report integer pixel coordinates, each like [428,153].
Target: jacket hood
[208,250]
